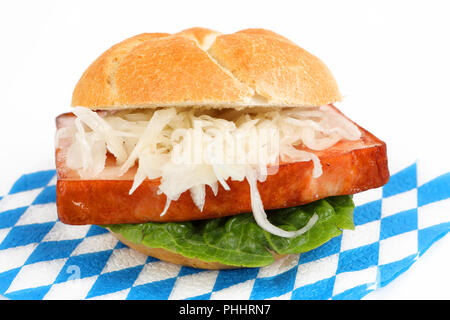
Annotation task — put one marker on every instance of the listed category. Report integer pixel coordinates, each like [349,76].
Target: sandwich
[212,150]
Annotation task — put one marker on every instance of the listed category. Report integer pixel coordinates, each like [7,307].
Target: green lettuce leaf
[238,240]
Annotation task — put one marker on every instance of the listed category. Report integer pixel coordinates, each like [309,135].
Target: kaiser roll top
[204,68]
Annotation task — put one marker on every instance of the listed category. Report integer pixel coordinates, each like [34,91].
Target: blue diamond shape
[327,249]
[32,181]
[10,217]
[390,271]
[358,258]
[29,294]
[401,181]
[205,296]
[398,223]
[114,281]
[6,278]
[427,236]
[47,195]
[96,230]
[120,245]
[52,250]
[273,286]
[23,235]
[434,190]
[321,290]
[367,212]
[151,259]
[185,271]
[228,278]
[157,290]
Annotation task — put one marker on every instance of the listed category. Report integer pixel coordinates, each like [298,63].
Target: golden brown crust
[96,86]
[276,68]
[174,70]
[176,258]
[201,67]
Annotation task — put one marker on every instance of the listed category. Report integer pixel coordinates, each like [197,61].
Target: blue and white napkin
[42,258]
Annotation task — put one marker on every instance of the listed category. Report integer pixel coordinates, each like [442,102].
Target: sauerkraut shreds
[191,148]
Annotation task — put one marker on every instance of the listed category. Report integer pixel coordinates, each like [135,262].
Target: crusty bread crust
[176,258]
[201,67]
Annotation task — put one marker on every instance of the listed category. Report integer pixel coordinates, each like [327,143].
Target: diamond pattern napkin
[42,258]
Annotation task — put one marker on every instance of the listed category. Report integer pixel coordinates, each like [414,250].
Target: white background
[390,58]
